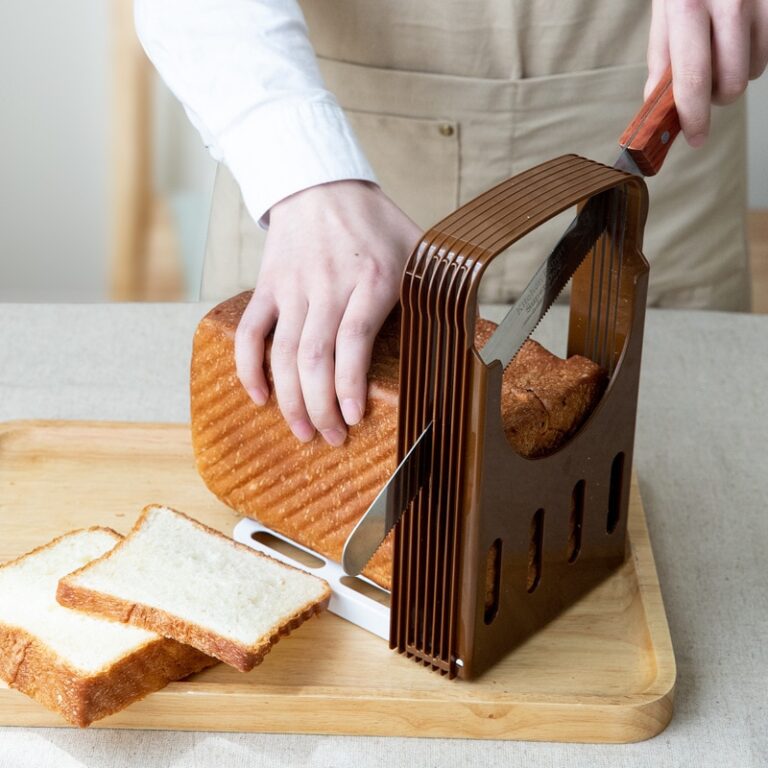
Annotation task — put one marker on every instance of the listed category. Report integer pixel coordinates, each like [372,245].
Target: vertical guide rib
[616,351]
[423,400]
[432,600]
[410,369]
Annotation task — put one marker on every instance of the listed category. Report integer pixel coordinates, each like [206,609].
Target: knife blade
[388,506]
[645,144]
[547,283]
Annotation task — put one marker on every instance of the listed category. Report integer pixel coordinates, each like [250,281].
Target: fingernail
[259,396]
[351,411]
[334,436]
[698,140]
[303,430]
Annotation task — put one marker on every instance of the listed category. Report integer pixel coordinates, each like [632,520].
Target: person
[443,98]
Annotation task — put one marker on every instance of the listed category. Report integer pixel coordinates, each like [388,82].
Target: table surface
[702,458]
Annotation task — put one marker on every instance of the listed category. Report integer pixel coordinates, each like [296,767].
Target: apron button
[446,129]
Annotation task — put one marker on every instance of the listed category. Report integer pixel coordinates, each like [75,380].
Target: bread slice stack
[83,667]
[92,621]
[176,576]
[314,493]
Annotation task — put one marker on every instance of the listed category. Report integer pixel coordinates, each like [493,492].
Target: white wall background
[54,153]
[54,76]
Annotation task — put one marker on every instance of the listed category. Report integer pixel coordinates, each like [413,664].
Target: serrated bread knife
[645,144]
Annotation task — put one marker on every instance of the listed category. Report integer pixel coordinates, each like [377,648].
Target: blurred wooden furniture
[757,233]
[145,255]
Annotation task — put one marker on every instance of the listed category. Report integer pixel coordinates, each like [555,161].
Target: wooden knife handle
[653,129]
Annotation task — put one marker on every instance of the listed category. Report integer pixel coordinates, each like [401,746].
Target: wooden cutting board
[602,672]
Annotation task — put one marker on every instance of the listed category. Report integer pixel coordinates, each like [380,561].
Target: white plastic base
[347,592]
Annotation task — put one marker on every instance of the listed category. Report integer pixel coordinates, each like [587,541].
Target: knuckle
[692,80]
[730,87]
[247,377]
[355,328]
[268,278]
[372,271]
[283,349]
[687,6]
[322,417]
[247,331]
[313,350]
[291,407]
[696,127]
[348,382]
[733,10]
[264,288]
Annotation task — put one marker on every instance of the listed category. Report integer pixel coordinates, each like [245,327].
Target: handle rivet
[446,129]
[665,137]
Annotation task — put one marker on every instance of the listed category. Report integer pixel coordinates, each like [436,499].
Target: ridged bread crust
[236,654]
[249,458]
[314,493]
[30,666]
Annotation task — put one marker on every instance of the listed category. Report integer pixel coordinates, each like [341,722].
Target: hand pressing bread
[330,275]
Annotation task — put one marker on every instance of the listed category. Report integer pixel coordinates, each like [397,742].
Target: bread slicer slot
[348,602]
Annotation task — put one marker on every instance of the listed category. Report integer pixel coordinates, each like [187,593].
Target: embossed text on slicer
[534,300]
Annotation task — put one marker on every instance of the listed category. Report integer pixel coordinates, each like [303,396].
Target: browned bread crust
[314,493]
[242,656]
[545,398]
[30,666]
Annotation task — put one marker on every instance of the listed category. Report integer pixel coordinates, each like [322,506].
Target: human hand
[330,275]
[715,47]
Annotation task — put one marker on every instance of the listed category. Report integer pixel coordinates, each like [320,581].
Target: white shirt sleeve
[247,76]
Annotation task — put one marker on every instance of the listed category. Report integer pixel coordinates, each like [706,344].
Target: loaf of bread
[177,577]
[83,667]
[314,493]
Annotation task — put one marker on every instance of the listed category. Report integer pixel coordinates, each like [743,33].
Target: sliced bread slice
[180,578]
[84,667]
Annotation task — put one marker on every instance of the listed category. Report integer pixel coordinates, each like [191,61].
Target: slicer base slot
[348,602]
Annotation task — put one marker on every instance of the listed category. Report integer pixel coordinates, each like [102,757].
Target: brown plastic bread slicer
[495,545]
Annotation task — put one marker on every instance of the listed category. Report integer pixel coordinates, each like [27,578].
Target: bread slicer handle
[653,129]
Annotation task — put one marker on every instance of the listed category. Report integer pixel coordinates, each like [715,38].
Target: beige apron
[448,97]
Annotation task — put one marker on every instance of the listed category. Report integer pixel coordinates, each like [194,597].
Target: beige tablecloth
[702,457]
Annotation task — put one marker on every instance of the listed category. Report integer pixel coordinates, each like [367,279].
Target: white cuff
[284,147]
